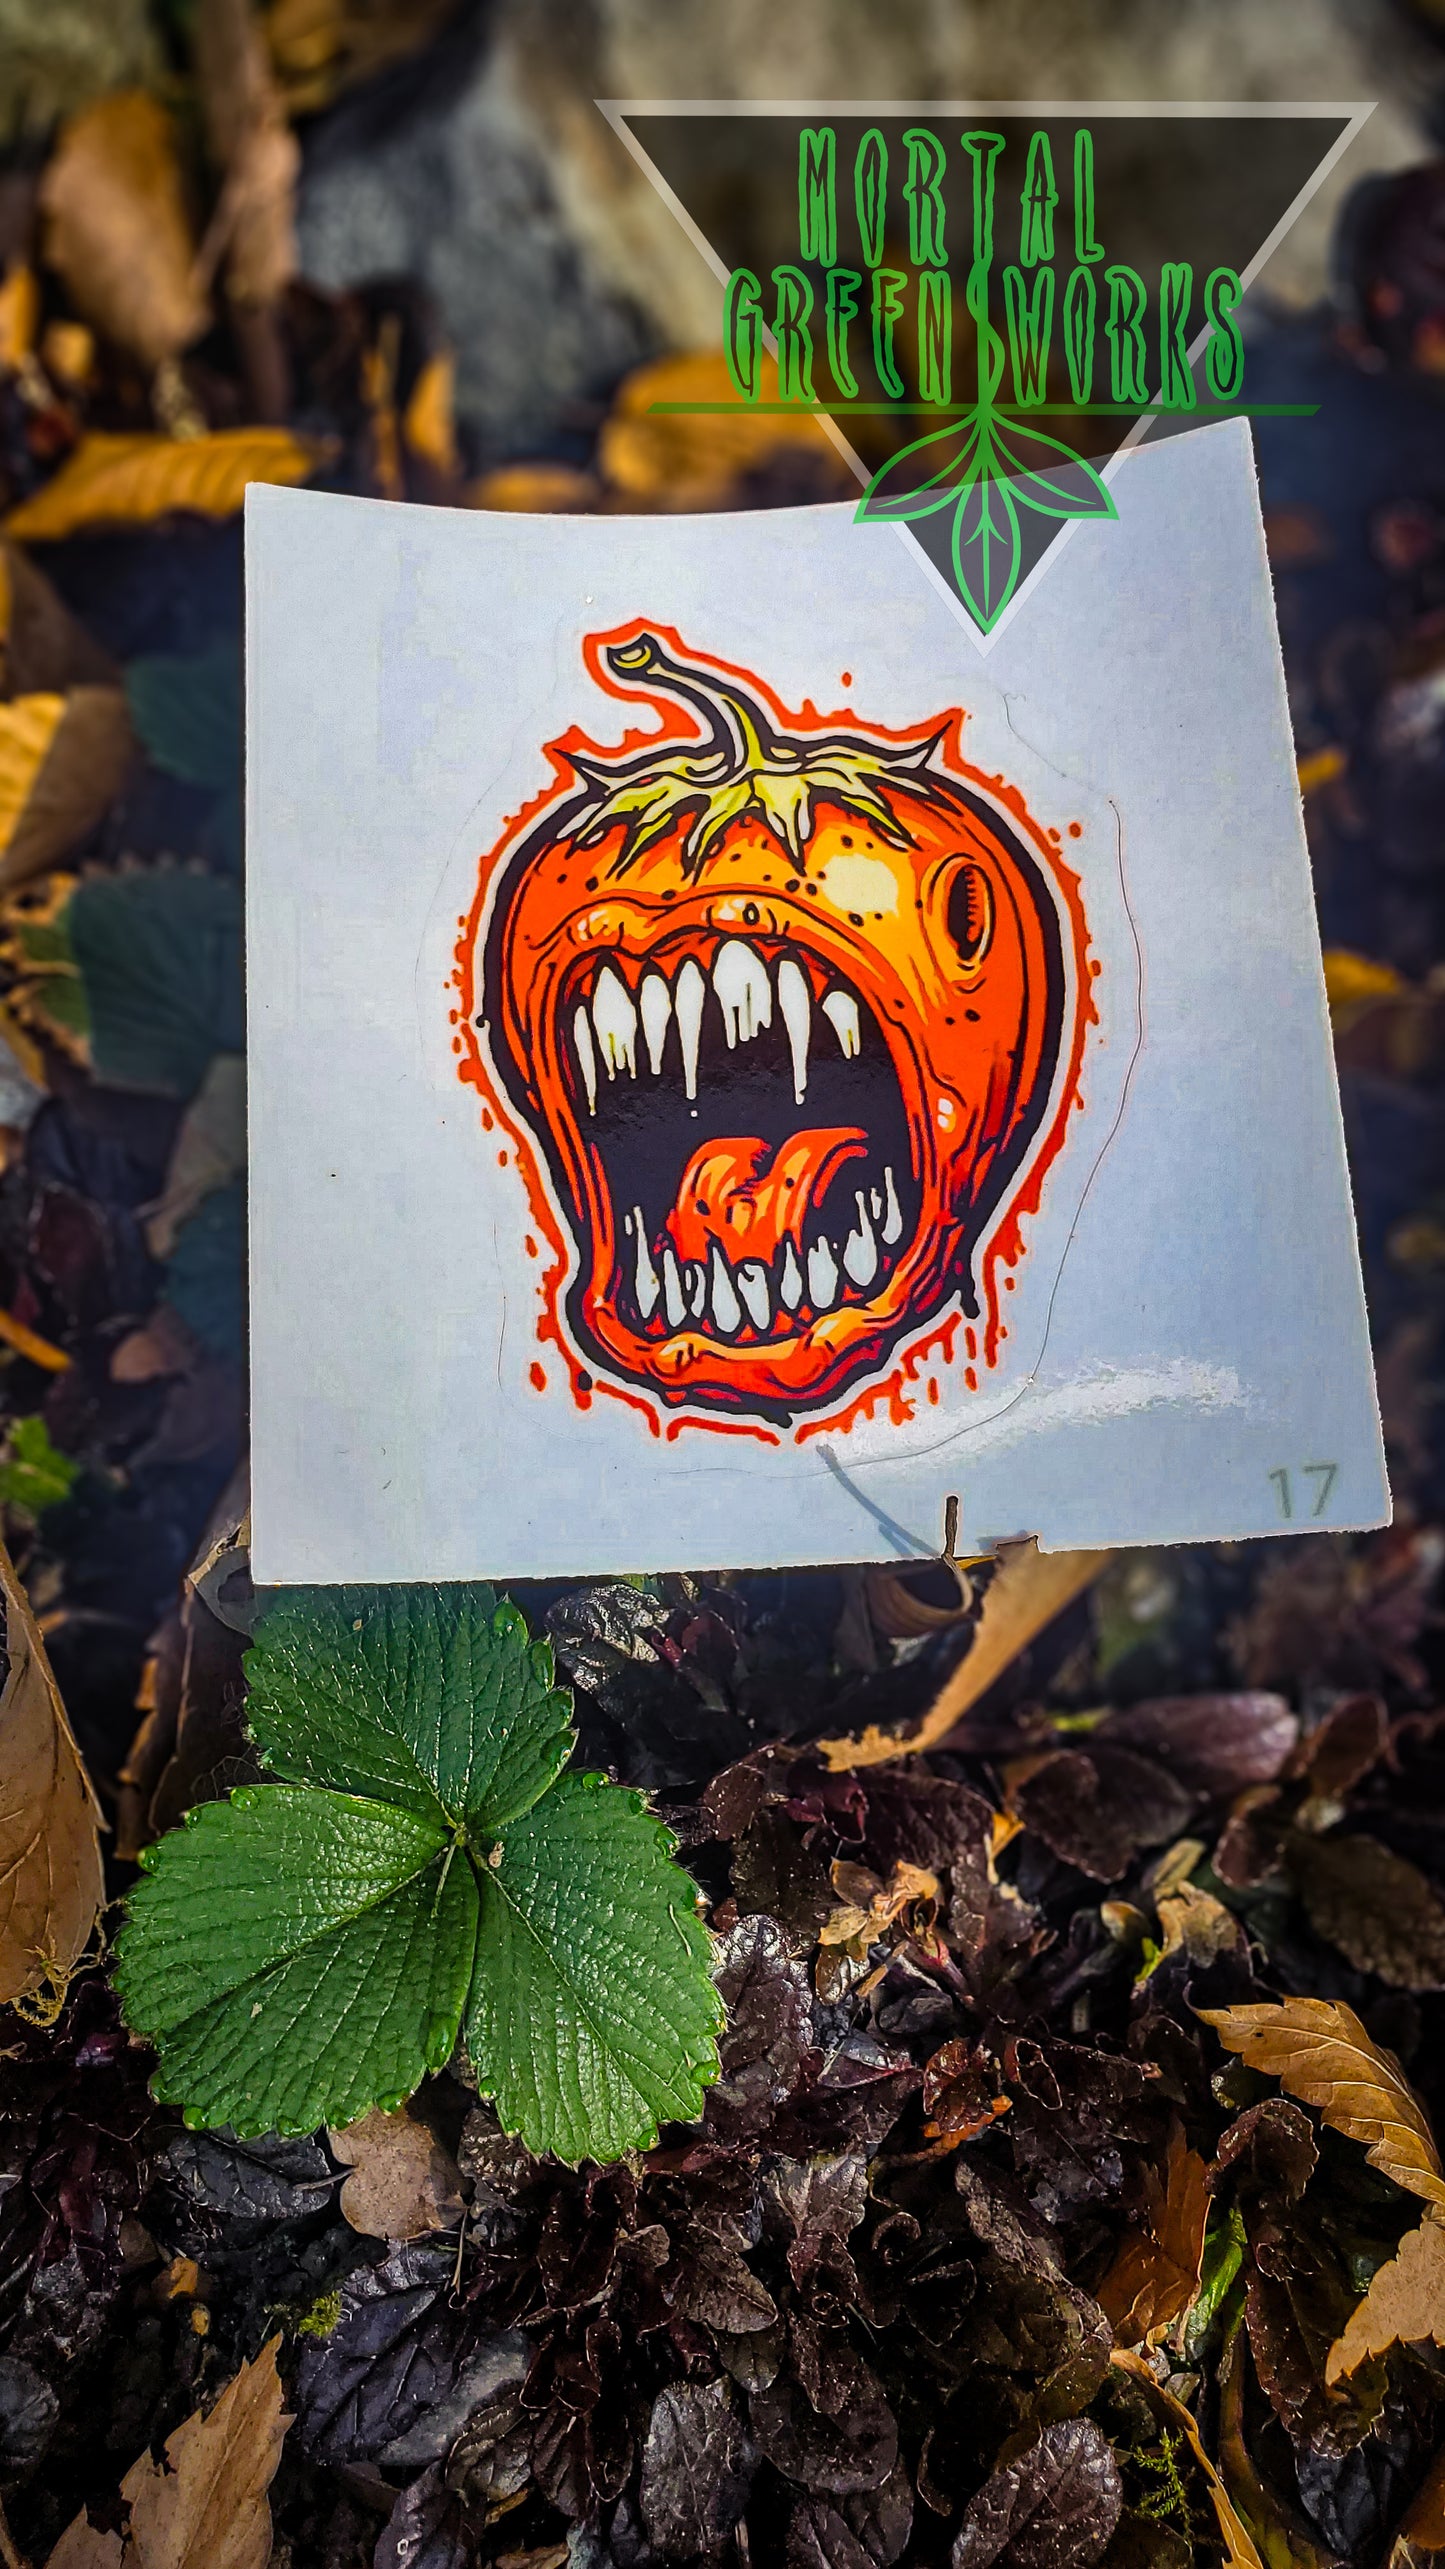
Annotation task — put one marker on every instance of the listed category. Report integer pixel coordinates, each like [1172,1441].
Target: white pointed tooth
[876,1201]
[656,1003]
[688,999]
[796,1005]
[752,1284]
[893,1219]
[744,991]
[672,1301]
[615,1019]
[860,1249]
[727,1311]
[822,1275]
[694,1279]
[791,1287]
[841,1011]
[586,1057]
[648,1287]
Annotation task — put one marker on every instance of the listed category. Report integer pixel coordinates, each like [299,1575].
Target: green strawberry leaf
[159,955]
[591,2016]
[297,1957]
[308,1949]
[436,1699]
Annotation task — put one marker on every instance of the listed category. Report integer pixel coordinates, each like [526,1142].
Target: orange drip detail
[937,1341]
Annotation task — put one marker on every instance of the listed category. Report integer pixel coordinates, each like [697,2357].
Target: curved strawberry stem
[736,724]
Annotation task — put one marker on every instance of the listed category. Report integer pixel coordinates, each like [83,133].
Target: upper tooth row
[744,992]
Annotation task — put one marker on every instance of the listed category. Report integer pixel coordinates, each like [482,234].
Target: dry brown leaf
[205,2505]
[870,1907]
[117,228]
[403,2183]
[255,222]
[63,759]
[1155,2275]
[1320,2052]
[50,1873]
[898,1609]
[1404,2306]
[45,648]
[209,1150]
[1193,1922]
[1239,2549]
[27,728]
[1028,1589]
[1421,2534]
[694,460]
[221,1571]
[130,481]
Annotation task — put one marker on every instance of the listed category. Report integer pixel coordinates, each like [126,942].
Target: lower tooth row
[729,1295]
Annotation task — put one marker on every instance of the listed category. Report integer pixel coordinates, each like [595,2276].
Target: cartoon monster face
[782,1009]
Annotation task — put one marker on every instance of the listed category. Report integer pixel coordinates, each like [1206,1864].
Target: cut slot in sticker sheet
[732,1071]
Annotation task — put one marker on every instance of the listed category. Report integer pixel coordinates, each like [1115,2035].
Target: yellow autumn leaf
[27,728]
[1320,2052]
[534,490]
[1405,2305]
[693,459]
[19,316]
[112,480]
[428,423]
[62,761]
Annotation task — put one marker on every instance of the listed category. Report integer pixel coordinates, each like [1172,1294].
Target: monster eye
[970,912]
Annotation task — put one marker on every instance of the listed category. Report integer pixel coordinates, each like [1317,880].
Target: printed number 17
[1322,1474]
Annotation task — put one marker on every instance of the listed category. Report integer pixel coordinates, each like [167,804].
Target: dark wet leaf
[28,2413]
[841,2440]
[1270,2153]
[1055,2508]
[393,2354]
[1348,1742]
[426,2528]
[767,2047]
[698,2465]
[1375,1907]
[1215,1744]
[1096,1809]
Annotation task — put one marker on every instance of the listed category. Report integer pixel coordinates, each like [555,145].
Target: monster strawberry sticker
[783,1014]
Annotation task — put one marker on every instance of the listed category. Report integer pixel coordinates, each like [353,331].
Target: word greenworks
[890,303]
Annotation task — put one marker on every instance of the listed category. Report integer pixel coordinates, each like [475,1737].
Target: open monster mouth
[750,1139]
[781,1009]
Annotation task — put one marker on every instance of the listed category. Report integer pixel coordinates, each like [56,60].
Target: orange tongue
[749,1198]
